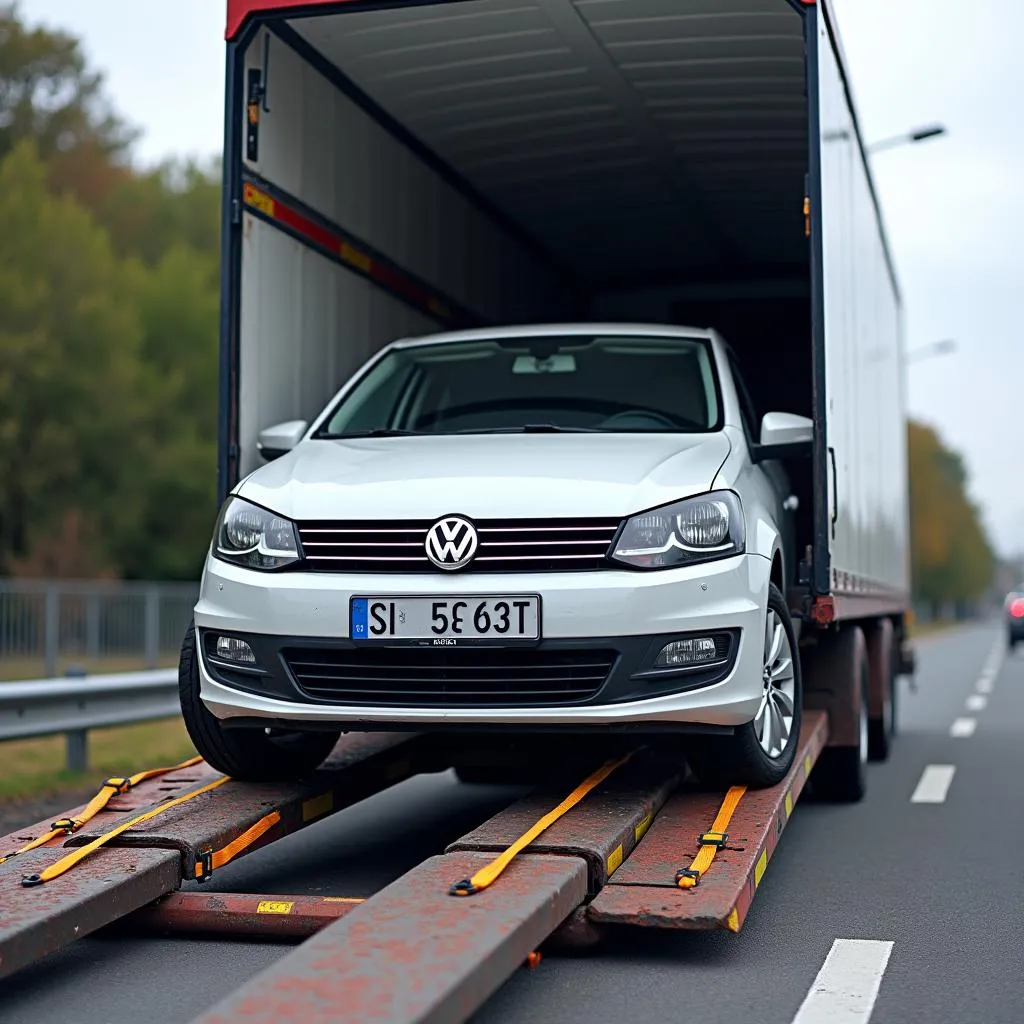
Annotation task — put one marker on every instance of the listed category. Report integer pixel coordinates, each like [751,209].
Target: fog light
[683,653]
[238,651]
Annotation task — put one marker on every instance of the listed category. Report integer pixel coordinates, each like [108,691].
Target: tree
[951,557]
[48,94]
[70,364]
[108,329]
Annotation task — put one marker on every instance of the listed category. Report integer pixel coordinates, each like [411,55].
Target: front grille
[448,677]
[506,545]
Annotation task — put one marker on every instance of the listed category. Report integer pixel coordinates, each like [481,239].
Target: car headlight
[695,530]
[251,536]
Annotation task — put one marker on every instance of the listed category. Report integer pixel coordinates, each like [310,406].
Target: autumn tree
[951,556]
[71,374]
[108,329]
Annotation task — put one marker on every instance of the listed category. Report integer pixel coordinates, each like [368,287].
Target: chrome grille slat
[513,546]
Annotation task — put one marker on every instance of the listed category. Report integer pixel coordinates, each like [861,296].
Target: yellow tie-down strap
[112,787]
[490,873]
[210,859]
[78,855]
[711,841]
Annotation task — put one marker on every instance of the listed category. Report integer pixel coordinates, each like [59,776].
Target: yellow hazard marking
[759,868]
[274,907]
[350,254]
[317,806]
[732,922]
[789,804]
[344,899]
[807,764]
[644,824]
[257,199]
[615,859]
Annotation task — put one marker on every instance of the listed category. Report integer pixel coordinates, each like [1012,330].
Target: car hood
[487,476]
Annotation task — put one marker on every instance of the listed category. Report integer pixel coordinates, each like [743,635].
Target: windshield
[570,383]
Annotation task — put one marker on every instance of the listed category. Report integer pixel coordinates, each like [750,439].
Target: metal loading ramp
[413,951]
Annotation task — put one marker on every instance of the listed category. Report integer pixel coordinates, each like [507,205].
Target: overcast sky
[954,206]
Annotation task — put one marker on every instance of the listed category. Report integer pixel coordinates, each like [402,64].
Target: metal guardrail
[73,706]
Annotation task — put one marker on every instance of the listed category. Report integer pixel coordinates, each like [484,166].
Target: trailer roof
[239,10]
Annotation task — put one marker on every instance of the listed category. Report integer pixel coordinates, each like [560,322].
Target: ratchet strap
[210,859]
[490,873]
[116,786]
[712,841]
[67,863]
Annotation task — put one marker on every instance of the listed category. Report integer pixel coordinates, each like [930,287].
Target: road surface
[922,884]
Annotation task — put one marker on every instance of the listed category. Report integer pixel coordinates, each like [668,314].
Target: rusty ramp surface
[644,893]
[142,865]
[413,952]
[603,829]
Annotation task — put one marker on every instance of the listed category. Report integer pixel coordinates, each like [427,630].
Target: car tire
[882,678]
[741,759]
[840,776]
[250,755]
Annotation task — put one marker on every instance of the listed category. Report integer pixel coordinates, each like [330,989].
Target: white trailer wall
[306,323]
[865,416]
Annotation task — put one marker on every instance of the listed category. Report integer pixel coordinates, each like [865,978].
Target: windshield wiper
[533,428]
[376,432]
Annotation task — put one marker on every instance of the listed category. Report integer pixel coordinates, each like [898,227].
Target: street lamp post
[929,131]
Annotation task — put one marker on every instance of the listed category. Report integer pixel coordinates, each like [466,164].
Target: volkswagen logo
[451,542]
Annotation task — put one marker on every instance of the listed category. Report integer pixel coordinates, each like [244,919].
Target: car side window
[747,411]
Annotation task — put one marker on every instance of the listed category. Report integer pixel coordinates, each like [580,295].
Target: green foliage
[48,94]
[952,559]
[108,330]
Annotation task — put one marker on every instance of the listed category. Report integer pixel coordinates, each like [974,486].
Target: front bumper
[629,615]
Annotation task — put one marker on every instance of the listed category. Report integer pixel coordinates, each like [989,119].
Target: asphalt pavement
[904,908]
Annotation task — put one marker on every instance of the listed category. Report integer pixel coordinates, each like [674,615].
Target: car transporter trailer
[635,844]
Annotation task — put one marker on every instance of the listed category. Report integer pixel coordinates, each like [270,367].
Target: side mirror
[784,436]
[280,439]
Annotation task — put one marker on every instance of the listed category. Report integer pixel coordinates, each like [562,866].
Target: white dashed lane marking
[934,784]
[847,984]
[963,727]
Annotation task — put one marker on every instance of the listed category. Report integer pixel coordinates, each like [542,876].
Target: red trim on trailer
[275,206]
[240,10]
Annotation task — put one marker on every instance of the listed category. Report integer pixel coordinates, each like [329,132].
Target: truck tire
[741,759]
[249,755]
[881,690]
[841,772]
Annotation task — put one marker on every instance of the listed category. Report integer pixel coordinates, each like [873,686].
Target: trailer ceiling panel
[631,137]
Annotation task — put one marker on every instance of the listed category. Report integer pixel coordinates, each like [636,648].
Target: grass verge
[35,768]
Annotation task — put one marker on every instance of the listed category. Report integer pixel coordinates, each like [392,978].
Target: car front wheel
[251,755]
[761,752]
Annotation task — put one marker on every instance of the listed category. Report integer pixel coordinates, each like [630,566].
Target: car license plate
[445,621]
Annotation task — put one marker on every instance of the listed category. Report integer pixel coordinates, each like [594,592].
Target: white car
[538,529]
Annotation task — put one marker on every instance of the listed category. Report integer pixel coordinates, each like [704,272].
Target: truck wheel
[841,772]
[247,754]
[881,690]
[761,752]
